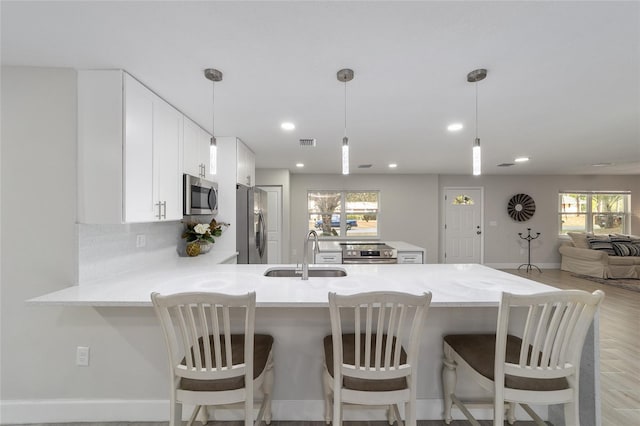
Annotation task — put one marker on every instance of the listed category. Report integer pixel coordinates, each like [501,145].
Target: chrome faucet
[305,256]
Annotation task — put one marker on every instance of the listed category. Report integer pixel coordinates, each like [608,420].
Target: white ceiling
[563,83]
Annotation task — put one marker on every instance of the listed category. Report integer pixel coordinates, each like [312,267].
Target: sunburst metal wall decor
[521,207]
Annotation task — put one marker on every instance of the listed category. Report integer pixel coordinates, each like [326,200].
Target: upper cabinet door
[246,165]
[196,150]
[167,160]
[138,152]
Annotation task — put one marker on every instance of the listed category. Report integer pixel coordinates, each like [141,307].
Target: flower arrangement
[201,234]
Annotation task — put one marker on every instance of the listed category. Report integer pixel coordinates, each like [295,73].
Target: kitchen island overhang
[465,299]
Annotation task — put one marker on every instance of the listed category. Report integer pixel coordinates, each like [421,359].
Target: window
[463,200]
[342,214]
[597,212]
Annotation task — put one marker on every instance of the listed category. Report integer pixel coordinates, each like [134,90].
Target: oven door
[200,196]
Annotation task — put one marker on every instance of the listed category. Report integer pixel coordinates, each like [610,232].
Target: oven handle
[368,261]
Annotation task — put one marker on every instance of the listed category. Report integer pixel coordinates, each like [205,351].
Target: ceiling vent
[506,165]
[364,166]
[308,142]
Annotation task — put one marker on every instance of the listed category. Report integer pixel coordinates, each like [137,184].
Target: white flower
[201,228]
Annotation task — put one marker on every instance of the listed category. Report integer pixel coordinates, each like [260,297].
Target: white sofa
[579,258]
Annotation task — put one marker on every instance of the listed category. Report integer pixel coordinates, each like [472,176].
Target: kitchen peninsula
[465,299]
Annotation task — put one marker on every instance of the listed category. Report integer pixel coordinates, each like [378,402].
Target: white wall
[408,207]
[502,244]
[39,250]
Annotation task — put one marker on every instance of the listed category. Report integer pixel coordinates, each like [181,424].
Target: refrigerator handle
[264,235]
[260,237]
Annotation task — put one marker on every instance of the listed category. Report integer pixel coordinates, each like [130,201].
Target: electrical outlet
[141,240]
[82,356]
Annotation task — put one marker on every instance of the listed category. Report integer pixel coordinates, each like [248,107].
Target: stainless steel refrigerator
[251,220]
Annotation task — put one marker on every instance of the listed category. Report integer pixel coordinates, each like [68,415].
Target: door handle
[478,230]
[263,237]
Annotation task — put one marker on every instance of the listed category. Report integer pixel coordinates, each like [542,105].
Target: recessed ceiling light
[602,164]
[287,126]
[393,165]
[300,165]
[521,159]
[454,127]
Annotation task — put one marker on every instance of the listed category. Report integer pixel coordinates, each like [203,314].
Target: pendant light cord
[213,114]
[476,110]
[345,108]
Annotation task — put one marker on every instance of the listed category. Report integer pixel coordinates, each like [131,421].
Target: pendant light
[214,75]
[474,77]
[345,75]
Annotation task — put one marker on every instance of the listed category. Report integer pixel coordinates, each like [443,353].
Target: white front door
[274,223]
[463,225]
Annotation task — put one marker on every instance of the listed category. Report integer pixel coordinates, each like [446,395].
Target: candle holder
[529,237]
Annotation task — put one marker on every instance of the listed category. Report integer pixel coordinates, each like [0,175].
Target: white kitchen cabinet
[130,145]
[167,160]
[197,151]
[246,171]
[235,161]
[410,257]
[328,257]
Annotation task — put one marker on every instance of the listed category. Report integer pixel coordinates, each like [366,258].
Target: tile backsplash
[111,249]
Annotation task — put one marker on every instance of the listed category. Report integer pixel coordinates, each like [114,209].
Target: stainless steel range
[368,253]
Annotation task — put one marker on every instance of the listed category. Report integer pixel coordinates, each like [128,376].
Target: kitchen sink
[313,272]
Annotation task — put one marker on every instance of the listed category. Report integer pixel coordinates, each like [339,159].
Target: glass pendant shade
[477,168]
[345,155]
[213,156]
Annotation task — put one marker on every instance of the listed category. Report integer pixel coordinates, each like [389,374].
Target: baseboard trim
[116,410]
[82,410]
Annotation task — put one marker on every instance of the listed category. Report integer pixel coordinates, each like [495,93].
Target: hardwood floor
[619,345]
[619,357]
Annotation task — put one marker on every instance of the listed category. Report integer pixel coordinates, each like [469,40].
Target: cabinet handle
[159,215]
[248,180]
[204,170]
[164,205]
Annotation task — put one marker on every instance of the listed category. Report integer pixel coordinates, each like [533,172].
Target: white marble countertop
[468,285]
[333,246]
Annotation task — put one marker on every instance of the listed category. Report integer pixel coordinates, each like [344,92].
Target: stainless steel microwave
[200,196]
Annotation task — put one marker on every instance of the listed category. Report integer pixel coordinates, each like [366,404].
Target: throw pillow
[619,238]
[602,243]
[579,239]
[626,249]
[634,238]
